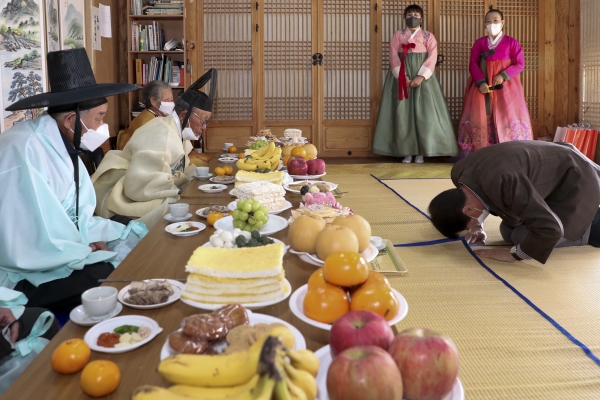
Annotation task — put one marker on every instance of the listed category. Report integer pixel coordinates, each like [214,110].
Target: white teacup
[376,241]
[179,210]
[202,171]
[99,302]
[228,145]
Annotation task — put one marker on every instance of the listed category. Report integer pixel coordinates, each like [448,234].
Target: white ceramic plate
[304,177]
[212,188]
[80,317]
[297,307]
[170,218]
[203,178]
[300,343]
[233,205]
[324,356]
[199,225]
[285,246]
[274,224]
[332,186]
[91,336]
[199,212]
[229,155]
[287,178]
[228,160]
[228,182]
[177,289]
[287,289]
[369,254]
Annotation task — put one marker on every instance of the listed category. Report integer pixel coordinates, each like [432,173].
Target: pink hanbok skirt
[509,119]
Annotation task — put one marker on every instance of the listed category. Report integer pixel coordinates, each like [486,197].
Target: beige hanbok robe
[141,180]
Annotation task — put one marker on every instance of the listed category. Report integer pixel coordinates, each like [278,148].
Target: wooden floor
[384,169]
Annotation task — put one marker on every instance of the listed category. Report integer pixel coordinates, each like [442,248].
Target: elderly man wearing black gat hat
[141,180]
[52,247]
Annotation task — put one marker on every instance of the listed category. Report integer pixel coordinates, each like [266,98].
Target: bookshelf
[155,30]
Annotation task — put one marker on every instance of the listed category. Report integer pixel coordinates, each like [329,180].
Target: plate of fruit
[369,254]
[234,206]
[325,357]
[346,283]
[302,296]
[274,224]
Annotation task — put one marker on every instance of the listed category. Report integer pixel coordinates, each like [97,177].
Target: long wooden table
[158,255]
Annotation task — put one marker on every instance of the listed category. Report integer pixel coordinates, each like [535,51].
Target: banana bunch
[270,373]
[265,158]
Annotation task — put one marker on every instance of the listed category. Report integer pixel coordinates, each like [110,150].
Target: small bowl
[99,302]
[179,210]
[376,241]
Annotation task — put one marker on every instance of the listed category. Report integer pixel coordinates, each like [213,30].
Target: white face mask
[166,107]
[494,29]
[482,217]
[93,139]
[188,134]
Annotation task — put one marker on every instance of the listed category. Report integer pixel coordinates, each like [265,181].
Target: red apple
[359,328]
[362,373]
[428,362]
[297,166]
[316,166]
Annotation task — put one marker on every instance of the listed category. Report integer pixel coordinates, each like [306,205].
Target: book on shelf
[158,68]
[157,7]
[147,37]
[139,78]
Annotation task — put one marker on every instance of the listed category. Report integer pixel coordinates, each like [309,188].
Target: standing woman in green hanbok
[413,117]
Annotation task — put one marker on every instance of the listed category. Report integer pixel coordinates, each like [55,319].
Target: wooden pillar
[574,34]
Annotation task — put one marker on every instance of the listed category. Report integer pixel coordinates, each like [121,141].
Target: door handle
[317,59]
[440,59]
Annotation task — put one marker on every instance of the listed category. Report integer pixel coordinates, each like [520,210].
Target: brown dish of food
[201,331]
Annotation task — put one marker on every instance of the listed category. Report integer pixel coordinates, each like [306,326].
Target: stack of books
[160,68]
[149,37]
[157,7]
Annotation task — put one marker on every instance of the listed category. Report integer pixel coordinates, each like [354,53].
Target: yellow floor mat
[508,350]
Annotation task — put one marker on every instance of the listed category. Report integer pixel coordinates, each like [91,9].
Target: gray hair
[181,105]
[152,89]
[56,116]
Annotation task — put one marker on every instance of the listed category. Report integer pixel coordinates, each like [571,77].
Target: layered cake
[244,275]
[292,134]
[268,194]
[244,177]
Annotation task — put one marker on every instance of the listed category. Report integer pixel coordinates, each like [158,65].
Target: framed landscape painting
[72,24]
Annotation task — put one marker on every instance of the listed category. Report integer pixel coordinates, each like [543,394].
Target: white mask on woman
[93,138]
[493,29]
[166,107]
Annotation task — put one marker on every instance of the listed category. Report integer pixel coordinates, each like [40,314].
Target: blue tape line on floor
[397,194]
[562,330]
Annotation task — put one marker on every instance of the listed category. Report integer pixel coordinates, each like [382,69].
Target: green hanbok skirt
[419,125]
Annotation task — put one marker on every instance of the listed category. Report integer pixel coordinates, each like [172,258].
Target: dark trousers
[517,234]
[26,322]
[62,295]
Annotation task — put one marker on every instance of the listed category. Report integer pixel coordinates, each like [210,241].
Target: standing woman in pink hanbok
[494,116]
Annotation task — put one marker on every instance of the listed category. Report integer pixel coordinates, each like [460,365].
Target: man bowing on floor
[547,195]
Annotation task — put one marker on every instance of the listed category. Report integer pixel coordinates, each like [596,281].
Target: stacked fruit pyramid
[264,160]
